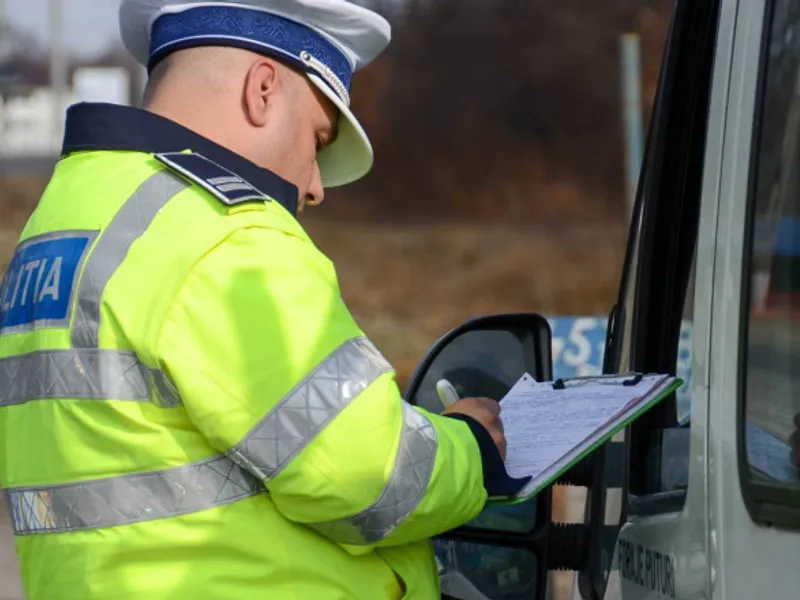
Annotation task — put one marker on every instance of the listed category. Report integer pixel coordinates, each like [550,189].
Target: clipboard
[635,392]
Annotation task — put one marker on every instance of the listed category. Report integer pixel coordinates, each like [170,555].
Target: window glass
[475,572]
[772,354]
[683,368]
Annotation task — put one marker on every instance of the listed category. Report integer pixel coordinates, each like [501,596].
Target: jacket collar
[99,126]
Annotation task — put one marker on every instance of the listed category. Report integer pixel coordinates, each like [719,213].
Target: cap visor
[350,156]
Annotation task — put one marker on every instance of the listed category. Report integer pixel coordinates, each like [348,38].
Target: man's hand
[794,443]
[486,412]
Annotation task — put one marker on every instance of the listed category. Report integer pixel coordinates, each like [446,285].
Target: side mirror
[484,357]
[503,553]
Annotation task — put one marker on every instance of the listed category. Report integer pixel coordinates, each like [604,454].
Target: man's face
[304,123]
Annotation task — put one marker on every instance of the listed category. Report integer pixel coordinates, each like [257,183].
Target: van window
[770,367]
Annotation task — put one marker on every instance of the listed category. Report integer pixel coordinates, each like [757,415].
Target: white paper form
[546,428]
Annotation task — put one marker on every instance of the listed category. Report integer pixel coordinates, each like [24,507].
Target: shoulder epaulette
[225,185]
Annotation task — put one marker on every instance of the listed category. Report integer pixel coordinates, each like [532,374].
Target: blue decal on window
[579,349]
[37,290]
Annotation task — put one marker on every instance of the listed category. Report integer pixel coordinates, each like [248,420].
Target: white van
[700,498]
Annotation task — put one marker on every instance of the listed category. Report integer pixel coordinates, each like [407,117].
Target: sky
[89,26]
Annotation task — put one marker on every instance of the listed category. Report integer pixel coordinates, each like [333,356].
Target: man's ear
[260,85]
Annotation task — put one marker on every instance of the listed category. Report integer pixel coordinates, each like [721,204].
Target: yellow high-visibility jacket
[188,409]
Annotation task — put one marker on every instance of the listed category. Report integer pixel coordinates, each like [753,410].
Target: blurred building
[28,124]
[31,118]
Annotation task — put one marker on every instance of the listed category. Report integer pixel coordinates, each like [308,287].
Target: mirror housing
[484,357]
[505,553]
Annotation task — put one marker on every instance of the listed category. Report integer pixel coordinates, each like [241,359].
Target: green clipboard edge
[512,500]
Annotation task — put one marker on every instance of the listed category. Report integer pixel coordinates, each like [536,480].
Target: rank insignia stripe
[223,184]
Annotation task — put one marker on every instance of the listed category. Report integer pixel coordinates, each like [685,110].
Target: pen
[447,393]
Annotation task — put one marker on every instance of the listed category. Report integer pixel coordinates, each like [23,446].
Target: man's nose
[316,191]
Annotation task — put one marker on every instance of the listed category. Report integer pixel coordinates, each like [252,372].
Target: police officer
[187,408]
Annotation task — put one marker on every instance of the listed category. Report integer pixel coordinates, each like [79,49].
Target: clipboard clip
[633,379]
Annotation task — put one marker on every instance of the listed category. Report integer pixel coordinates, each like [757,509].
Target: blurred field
[408,284]
[17,199]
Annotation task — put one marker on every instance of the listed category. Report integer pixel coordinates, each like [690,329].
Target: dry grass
[17,199]
[408,285]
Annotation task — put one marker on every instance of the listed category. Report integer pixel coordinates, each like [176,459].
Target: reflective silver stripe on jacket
[130,498]
[128,225]
[305,411]
[406,488]
[86,373]
[286,430]
[89,373]
[294,423]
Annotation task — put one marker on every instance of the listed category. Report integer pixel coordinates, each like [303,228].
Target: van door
[662,322]
[711,505]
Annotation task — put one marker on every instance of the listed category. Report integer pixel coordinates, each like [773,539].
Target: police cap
[328,40]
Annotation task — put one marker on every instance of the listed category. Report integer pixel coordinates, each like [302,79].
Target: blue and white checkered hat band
[254,30]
